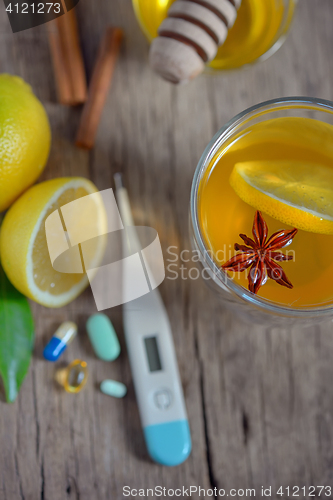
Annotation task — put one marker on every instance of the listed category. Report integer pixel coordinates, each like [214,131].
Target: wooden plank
[268,402]
[259,399]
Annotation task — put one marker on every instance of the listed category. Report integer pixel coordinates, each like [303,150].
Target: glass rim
[211,149]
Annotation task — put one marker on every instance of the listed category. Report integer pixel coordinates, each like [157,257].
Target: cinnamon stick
[67,59]
[62,77]
[69,36]
[99,87]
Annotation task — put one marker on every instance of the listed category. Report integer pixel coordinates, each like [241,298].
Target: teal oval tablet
[113,388]
[103,337]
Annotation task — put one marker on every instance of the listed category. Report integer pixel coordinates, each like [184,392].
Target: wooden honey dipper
[190,36]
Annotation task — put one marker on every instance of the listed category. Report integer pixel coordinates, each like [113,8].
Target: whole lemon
[25,138]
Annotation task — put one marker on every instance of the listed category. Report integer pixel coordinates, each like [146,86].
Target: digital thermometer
[154,365]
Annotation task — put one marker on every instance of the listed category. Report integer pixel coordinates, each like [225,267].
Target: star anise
[261,255]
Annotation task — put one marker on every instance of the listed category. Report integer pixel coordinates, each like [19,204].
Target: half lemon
[295,193]
[24,252]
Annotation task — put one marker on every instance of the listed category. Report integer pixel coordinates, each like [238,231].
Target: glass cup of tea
[261,210]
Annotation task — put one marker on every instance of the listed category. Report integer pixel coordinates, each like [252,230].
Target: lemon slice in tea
[295,193]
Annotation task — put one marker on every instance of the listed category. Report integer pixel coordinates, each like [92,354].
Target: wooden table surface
[260,400]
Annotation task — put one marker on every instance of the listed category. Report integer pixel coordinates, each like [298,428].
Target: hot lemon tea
[283,169]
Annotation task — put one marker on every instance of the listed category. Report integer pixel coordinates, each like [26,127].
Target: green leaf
[16,337]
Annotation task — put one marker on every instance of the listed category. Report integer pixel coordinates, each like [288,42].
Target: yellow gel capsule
[74,377]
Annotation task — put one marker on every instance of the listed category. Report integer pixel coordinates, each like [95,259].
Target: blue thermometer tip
[169,443]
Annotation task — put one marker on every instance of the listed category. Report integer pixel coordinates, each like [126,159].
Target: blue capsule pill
[58,343]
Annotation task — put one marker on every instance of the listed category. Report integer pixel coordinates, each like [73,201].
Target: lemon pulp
[45,277]
[296,193]
[223,214]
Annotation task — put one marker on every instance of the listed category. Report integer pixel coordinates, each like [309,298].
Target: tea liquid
[223,215]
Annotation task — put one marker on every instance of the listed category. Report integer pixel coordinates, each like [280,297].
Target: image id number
[310,491]
[39,8]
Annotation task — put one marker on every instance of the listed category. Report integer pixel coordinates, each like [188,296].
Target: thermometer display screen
[153,355]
